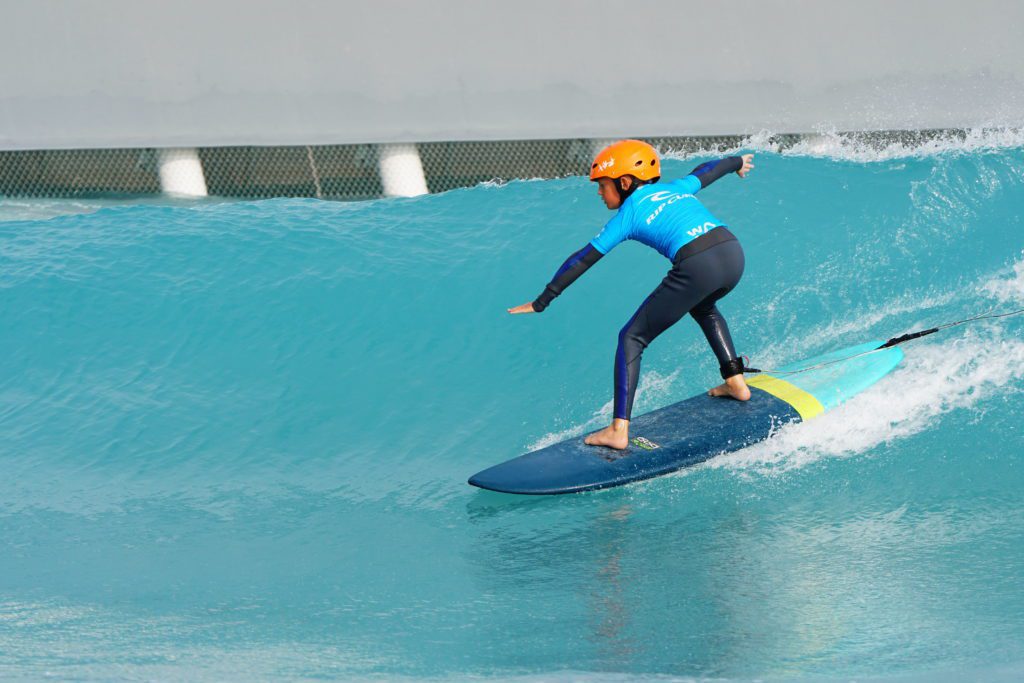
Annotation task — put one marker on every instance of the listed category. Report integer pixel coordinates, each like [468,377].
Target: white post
[181,172]
[401,171]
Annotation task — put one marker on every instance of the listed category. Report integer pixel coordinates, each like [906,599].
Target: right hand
[748,165]
[522,308]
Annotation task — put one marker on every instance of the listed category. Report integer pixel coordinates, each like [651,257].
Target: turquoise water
[234,437]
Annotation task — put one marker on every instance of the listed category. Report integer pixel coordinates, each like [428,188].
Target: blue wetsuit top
[664,216]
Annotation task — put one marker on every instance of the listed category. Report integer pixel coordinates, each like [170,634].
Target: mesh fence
[78,173]
[342,172]
[346,172]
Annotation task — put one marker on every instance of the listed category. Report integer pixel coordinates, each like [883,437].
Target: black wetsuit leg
[715,329]
[699,277]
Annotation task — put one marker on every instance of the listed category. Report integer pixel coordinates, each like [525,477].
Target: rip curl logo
[606,164]
[666,198]
[659,196]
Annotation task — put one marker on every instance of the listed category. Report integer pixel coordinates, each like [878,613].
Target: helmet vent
[639,163]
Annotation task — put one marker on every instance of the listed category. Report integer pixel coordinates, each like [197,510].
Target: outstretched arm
[711,171]
[574,266]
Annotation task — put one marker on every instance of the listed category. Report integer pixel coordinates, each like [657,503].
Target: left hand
[748,165]
[522,308]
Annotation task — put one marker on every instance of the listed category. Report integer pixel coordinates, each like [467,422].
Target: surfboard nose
[537,473]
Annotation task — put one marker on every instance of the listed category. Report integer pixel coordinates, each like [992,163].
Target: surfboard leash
[923,333]
[895,341]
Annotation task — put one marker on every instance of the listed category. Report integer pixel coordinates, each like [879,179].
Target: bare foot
[615,435]
[735,387]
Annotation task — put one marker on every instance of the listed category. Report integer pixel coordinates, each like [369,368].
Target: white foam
[955,372]
[934,379]
[870,147]
[867,148]
[1007,290]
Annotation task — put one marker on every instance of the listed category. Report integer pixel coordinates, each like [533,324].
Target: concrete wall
[119,73]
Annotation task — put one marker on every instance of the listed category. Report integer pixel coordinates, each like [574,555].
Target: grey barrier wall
[204,73]
[353,172]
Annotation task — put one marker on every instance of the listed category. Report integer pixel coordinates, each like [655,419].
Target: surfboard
[699,428]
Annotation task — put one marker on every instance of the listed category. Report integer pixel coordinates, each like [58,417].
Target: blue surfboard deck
[694,430]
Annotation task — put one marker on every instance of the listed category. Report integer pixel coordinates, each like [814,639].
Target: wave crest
[867,146]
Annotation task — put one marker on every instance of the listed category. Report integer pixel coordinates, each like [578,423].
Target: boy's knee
[630,339]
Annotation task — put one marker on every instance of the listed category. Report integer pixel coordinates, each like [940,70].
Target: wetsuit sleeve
[614,232]
[709,172]
[574,266]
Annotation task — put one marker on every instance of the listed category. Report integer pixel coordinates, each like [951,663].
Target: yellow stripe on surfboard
[804,403]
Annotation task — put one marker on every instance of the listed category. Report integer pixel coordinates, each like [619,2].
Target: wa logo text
[701,229]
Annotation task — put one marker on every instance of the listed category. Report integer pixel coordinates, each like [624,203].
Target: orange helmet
[626,157]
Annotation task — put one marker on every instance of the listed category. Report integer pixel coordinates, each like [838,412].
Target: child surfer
[707,262]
